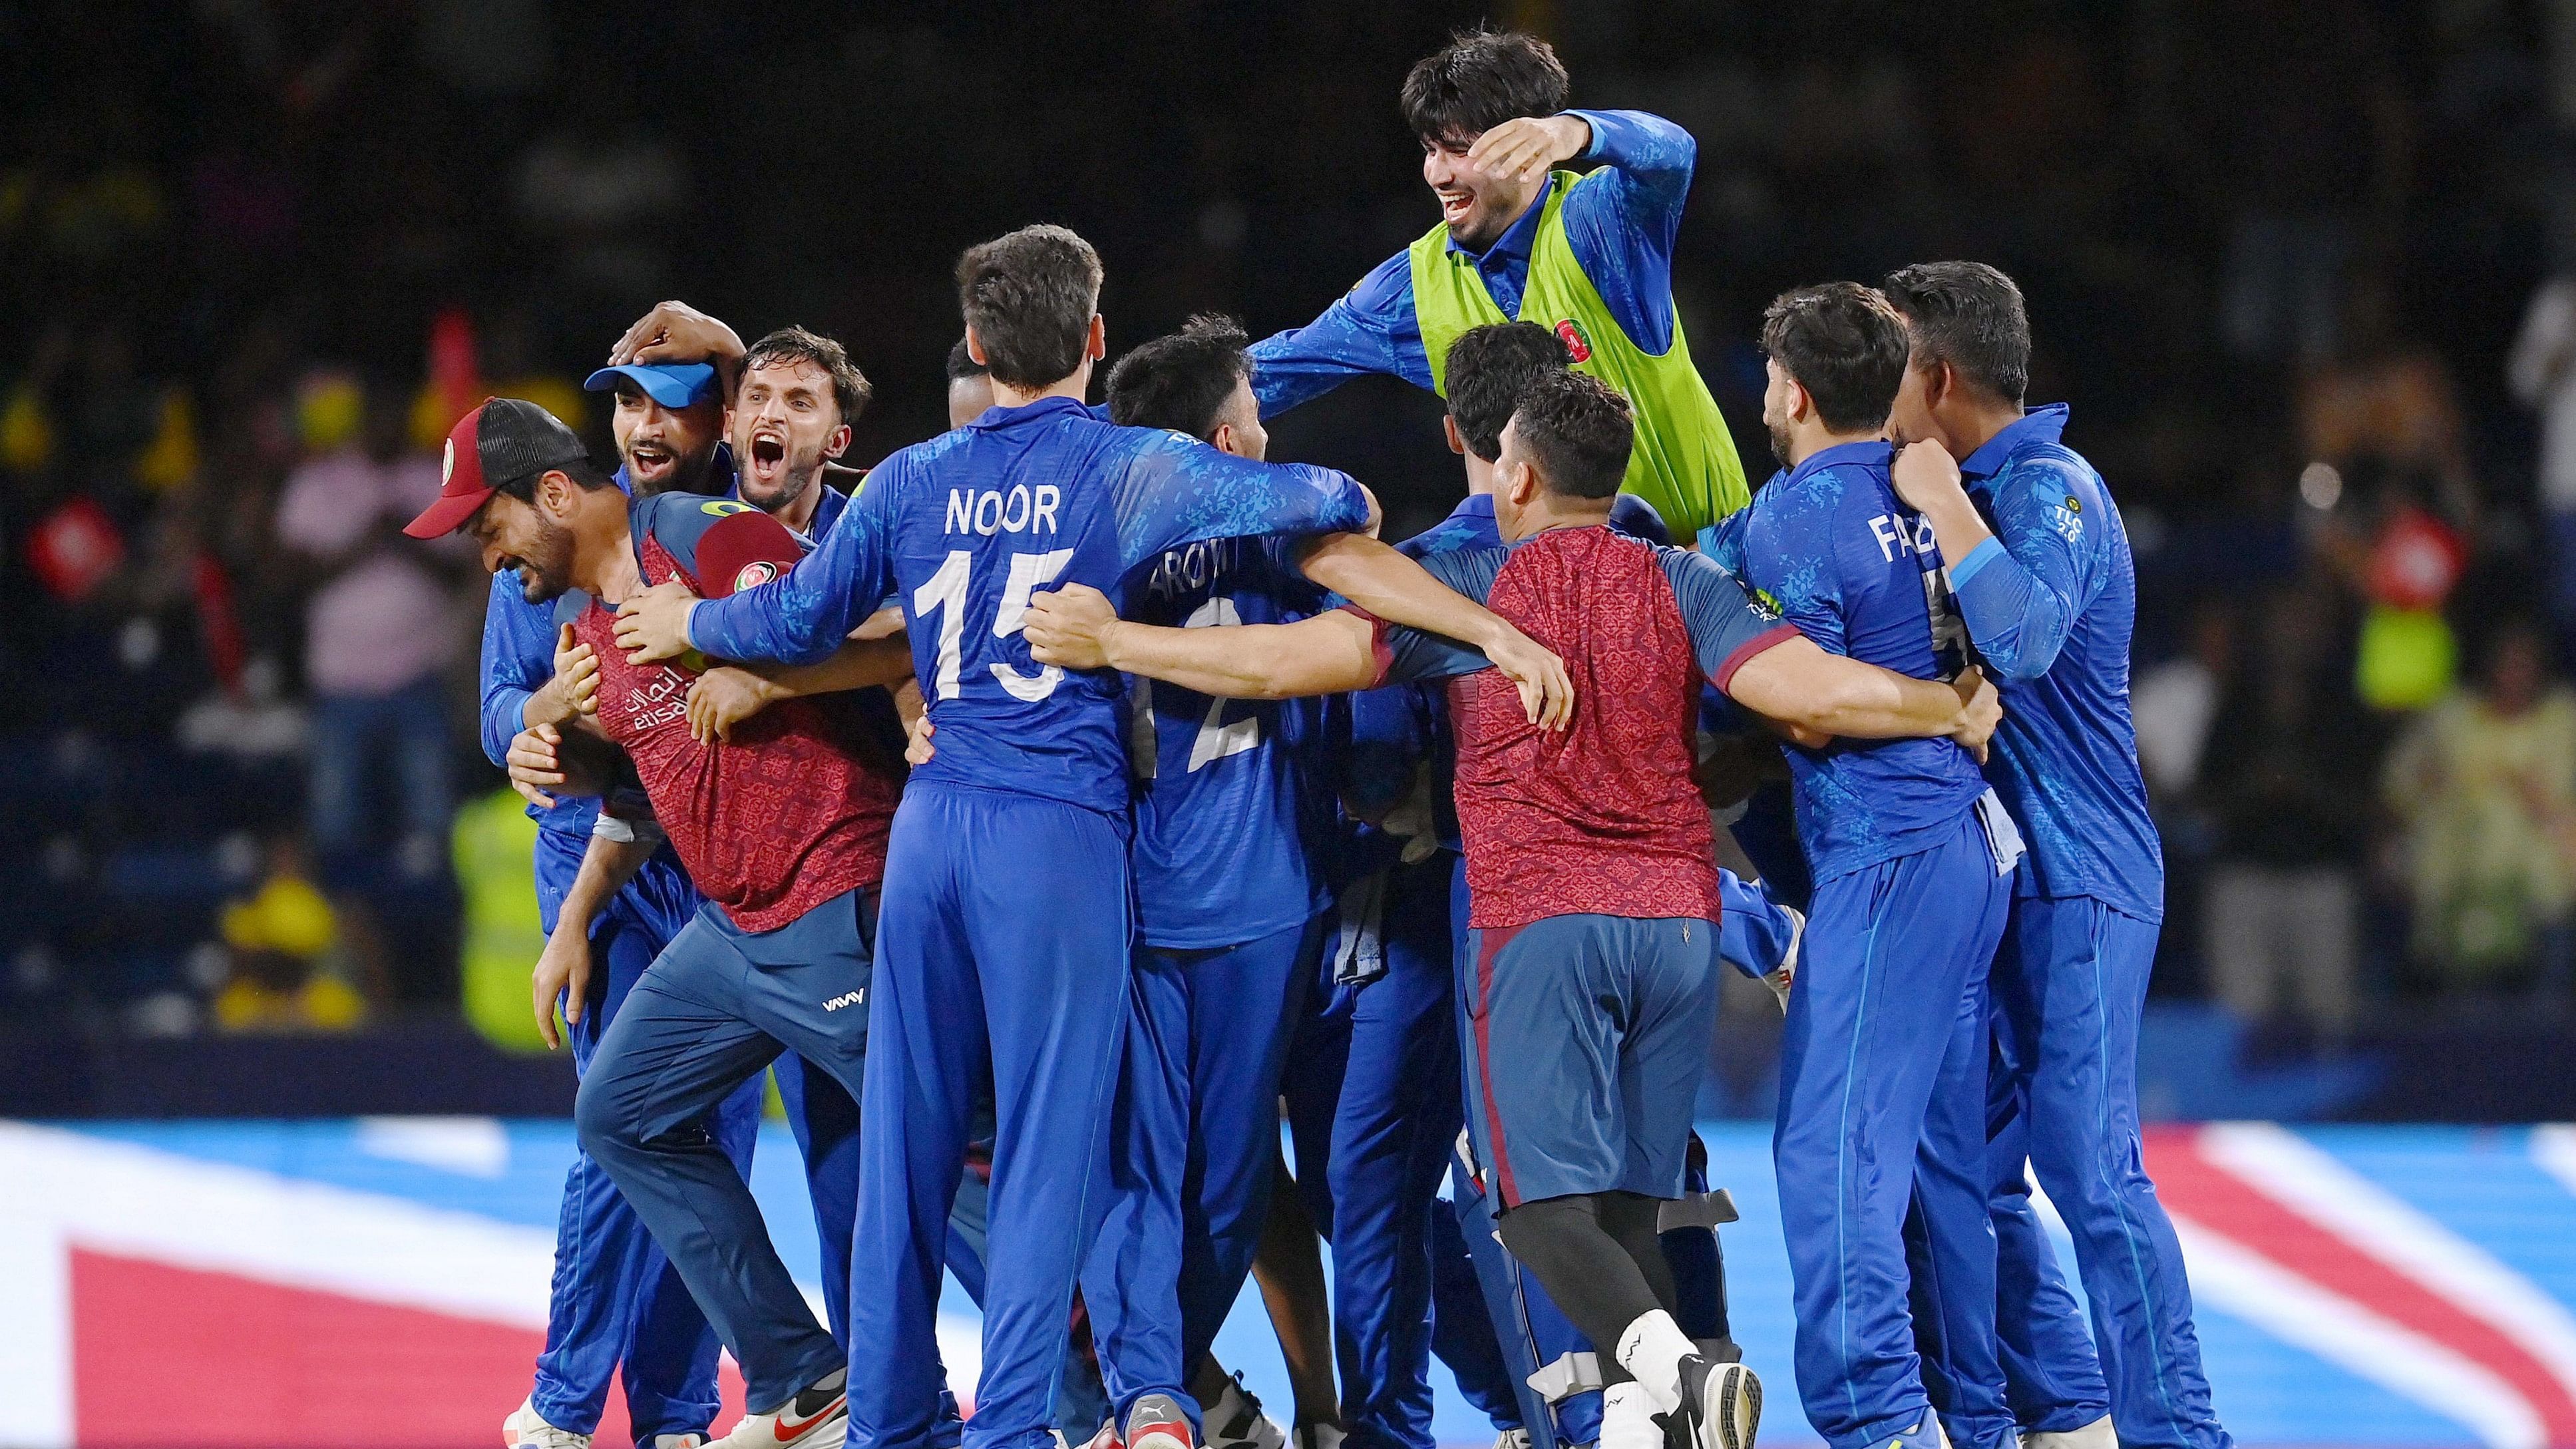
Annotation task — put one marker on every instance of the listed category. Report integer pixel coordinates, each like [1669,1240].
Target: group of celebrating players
[1080,790]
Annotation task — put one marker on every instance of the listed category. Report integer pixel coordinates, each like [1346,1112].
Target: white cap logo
[447,464]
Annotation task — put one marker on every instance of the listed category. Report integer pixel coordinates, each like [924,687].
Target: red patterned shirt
[1604,818]
[795,809]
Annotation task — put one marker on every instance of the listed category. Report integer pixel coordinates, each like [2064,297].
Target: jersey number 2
[945,591]
[1216,739]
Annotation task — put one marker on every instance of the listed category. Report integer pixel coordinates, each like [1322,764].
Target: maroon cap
[499,443]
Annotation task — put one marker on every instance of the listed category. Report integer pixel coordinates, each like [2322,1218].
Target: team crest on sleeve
[2067,517]
[1578,347]
[754,574]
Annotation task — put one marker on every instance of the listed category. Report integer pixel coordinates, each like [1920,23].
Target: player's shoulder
[677,519]
[1384,286]
[1470,569]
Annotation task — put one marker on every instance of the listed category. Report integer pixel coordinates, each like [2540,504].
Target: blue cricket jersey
[2051,601]
[961,529]
[1620,220]
[1224,821]
[1832,548]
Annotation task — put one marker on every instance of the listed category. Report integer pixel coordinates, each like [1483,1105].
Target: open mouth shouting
[650,460]
[765,459]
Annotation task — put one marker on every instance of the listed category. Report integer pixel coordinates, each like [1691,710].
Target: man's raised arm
[1332,653]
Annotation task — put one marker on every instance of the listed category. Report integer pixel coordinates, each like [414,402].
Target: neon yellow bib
[1684,462]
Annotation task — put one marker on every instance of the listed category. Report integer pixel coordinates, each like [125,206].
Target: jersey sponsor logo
[852,998]
[754,574]
[987,511]
[2068,518]
[722,507]
[1765,603]
[1578,348]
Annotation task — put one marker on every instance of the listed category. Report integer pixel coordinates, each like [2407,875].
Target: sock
[1628,1418]
[1653,1348]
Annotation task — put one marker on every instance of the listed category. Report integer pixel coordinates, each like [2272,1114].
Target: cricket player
[2046,587]
[783,829]
[1884,1060]
[617,1306]
[1004,954]
[1588,257]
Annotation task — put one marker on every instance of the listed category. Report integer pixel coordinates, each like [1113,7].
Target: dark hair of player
[1030,296]
[1489,367]
[1970,316]
[1845,345]
[1181,381]
[1577,430]
[961,363]
[850,390]
[586,475]
[1479,80]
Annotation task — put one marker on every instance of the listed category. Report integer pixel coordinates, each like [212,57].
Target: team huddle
[1078,794]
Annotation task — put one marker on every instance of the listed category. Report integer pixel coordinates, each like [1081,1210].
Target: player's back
[1832,548]
[1223,833]
[975,520]
[1603,817]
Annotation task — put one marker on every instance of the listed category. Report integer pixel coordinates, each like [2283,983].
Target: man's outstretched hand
[1065,627]
[654,624]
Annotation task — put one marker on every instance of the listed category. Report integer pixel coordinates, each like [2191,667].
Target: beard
[545,568]
[1779,440]
[689,473]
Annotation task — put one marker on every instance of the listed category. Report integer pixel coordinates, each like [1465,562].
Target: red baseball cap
[499,443]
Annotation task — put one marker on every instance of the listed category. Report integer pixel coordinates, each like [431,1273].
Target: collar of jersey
[2039,425]
[1868,453]
[998,416]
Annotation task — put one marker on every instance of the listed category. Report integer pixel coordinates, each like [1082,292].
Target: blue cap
[672,384]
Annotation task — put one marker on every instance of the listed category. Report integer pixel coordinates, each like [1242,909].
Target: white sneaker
[2096,1435]
[679,1441]
[1786,972]
[526,1429]
[1512,1439]
[818,1418]
[1235,1421]
[1721,1404]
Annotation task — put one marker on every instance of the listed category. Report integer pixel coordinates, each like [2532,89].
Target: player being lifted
[1589,257]
[1594,917]
[1004,947]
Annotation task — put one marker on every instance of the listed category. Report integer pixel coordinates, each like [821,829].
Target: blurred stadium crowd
[2305,274]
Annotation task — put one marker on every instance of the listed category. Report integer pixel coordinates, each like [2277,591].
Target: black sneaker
[1721,1404]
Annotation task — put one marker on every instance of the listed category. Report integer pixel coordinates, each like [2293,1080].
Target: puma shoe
[818,1418]
[526,1429]
[1155,1421]
[1721,1404]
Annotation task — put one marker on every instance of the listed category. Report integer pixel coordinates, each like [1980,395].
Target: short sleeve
[1407,654]
[1727,627]
[1789,559]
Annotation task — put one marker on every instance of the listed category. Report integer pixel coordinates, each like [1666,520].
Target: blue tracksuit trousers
[1194,1133]
[2069,987]
[1003,958]
[618,1307]
[1882,1104]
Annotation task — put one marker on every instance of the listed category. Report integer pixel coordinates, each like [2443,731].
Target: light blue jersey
[963,528]
[2051,601]
[1831,547]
